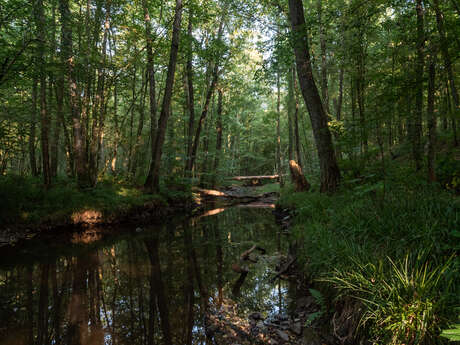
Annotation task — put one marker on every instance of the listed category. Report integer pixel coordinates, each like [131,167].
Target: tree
[330,174]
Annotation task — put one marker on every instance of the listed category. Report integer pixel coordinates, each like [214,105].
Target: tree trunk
[56,128]
[204,112]
[68,61]
[290,114]
[301,183]
[322,39]
[296,119]
[153,178]
[190,93]
[218,138]
[445,55]
[99,103]
[431,119]
[330,174]
[417,117]
[278,129]
[40,23]
[33,162]
[151,77]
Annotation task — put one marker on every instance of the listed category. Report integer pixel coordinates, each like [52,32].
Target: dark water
[152,285]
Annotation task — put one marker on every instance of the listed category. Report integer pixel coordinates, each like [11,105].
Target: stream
[181,282]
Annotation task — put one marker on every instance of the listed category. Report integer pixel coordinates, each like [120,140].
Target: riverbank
[26,208]
[384,253]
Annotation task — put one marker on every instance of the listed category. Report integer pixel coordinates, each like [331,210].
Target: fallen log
[260,177]
[245,255]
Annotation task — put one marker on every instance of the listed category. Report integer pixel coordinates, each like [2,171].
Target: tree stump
[301,183]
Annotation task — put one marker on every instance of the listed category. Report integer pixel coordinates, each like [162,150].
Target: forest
[169,164]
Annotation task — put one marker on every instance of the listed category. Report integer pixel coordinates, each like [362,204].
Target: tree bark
[153,178]
[330,174]
[296,119]
[99,102]
[79,139]
[40,23]
[301,183]
[322,39]
[278,129]
[431,119]
[33,161]
[151,75]
[190,92]
[219,129]
[417,117]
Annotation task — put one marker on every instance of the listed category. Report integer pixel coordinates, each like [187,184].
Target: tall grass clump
[406,302]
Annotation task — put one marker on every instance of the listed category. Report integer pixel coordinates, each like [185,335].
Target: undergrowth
[23,200]
[390,240]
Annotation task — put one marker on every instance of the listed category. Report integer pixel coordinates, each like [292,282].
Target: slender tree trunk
[56,135]
[218,137]
[290,114]
[55,124]
[140,127]
[417,117]
[153,178]
[190,92]
[278,129]
[431,119]
[330,174]
[151,77]
[99,102]
[204,112]
[446,56]
[322,39]
[33,162]
[68,61]
[40,23]
[296,119]
[59,90]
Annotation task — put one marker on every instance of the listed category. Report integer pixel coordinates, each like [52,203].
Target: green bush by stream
[389,244]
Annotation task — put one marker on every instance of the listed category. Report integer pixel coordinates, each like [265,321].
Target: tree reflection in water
[156,287]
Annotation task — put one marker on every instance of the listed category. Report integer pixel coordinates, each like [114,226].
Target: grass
[389,241]
[24,200]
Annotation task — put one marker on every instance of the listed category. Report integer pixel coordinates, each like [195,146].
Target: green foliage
[389,242]
[320,300]
[25,201]
[406,302]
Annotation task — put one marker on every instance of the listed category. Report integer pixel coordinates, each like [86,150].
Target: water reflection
[158,286]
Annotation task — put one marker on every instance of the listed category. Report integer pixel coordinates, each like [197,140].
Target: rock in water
[283,335]
[296,328]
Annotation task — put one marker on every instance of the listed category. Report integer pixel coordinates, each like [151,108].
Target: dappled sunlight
[87,217]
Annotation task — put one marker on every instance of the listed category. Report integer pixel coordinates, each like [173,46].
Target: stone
[272,342]
[296,328]
[283,335]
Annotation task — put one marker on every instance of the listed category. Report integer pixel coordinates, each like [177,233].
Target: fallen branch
[245,255]
[285,268]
